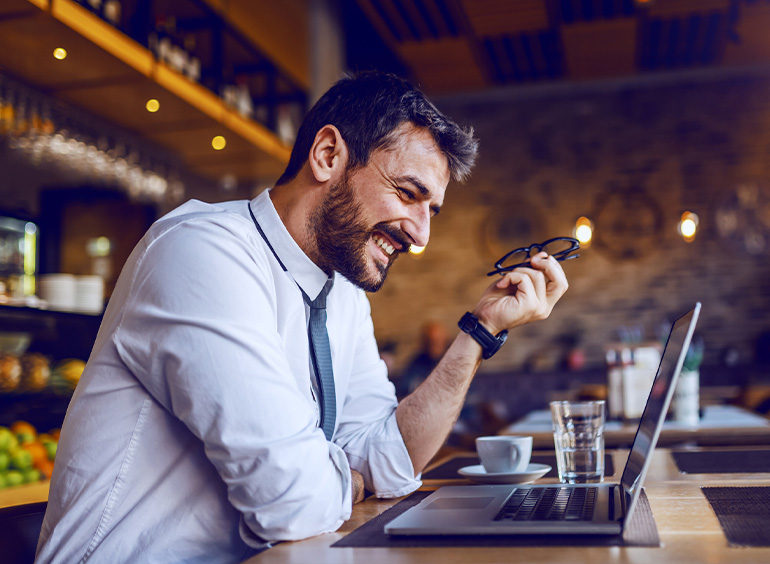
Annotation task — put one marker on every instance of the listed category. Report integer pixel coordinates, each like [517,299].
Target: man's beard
[341,237]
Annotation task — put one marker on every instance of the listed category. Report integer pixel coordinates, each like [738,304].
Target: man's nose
[419,226]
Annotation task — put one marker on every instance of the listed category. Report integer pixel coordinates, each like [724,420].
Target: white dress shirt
[193,434]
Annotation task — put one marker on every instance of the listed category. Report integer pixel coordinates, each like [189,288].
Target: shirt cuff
[388,469]
[343,468]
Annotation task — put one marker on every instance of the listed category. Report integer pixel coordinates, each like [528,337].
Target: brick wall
[633,158]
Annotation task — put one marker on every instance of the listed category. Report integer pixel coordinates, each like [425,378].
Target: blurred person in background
[204,427]
[434,341]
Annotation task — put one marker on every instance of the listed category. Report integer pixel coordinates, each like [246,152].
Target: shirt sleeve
[367,430]
[199,331]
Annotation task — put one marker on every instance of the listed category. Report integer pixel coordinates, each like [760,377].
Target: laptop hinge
[617,503]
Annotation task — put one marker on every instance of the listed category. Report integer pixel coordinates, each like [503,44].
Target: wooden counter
[688,529]
[720,425]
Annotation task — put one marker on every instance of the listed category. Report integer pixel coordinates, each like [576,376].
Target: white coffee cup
[504,454]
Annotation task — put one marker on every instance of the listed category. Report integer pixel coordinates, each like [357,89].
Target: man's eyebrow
[421,188]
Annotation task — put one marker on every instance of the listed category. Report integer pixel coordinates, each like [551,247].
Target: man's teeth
[383,244]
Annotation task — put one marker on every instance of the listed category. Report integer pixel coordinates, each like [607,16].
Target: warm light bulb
[60,53]
[688,226]
[218,142]
[415,250]
[584,231]
[152,105]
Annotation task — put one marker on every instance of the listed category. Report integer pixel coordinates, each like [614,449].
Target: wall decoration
[743,218]
[629,222]
[511,225]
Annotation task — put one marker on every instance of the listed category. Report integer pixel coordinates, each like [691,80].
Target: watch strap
[490,343]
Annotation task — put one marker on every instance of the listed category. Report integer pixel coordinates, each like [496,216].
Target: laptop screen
[657,404]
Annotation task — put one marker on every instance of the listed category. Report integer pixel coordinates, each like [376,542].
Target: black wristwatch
[490,343]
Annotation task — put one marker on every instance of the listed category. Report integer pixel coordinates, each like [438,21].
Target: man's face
[374,213]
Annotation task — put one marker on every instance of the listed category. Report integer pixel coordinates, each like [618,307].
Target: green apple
[21,459]
[14,478]
[26,437]
[50,448]
[32,475]
[5,460]
[7,440]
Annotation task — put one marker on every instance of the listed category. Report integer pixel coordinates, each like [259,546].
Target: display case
[18,260]
[44,341]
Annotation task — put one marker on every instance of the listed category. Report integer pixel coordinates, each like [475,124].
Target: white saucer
[478,474]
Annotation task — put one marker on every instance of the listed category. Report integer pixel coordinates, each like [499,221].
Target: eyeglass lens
[554,248]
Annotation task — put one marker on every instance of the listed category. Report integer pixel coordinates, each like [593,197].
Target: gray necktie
[321,353]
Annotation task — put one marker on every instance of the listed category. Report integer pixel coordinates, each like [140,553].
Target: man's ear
[328,155]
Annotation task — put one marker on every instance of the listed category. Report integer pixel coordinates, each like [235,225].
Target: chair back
[19,530]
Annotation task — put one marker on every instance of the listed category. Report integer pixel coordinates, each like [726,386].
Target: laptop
[603,508]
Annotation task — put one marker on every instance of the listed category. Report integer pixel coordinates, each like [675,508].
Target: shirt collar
[304,271]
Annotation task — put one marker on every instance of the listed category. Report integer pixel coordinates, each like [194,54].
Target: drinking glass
[578,435]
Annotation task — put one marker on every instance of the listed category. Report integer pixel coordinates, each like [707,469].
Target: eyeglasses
[559,248]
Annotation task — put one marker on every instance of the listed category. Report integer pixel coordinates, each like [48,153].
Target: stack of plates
[58,290]
[89,294]
[67,292]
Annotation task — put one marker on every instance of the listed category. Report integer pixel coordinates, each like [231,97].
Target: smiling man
[235,396]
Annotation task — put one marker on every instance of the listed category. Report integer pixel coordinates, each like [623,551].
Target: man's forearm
[426,417]
[357,485]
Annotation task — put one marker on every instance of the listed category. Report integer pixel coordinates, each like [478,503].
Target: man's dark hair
[367,108]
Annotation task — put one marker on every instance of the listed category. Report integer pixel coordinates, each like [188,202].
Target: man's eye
[406,194]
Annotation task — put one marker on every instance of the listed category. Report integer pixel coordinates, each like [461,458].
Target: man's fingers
[556,279]
[530,291]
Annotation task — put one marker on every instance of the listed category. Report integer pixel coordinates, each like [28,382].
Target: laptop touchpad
[461,503]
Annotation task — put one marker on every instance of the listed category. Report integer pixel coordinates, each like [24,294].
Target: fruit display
[10,372]
[32,372]
[35,372]
[66,374]
[26,456]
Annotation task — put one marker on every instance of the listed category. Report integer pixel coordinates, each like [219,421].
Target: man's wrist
[357,485]
[489,342]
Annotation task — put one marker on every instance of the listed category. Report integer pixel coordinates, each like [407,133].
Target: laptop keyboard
[549,504]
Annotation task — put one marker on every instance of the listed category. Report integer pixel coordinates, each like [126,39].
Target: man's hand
[357,485]
[426,416]
[522,295]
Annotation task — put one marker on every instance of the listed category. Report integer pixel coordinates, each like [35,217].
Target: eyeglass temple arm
[502,270]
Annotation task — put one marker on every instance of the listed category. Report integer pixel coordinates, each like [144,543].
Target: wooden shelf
[27,493]
[111,76]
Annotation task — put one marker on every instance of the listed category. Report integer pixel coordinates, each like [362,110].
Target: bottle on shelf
[614,384]
[112,12]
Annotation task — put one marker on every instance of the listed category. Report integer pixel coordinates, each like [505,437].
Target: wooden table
[688,530]
[720,425]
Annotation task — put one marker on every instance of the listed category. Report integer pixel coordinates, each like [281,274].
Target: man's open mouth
[381,242]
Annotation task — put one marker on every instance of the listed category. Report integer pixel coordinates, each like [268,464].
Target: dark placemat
[448,470]
[640,532]
[722,461]
[743,513]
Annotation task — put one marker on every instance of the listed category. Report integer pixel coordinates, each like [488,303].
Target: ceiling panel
[750,43]
[443,63]
[680,7]
[502,17]
[498,42]
[600,49]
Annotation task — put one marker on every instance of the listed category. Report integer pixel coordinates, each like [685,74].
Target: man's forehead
[407,133]
[414,148]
